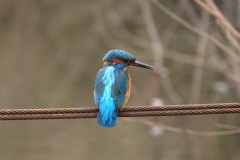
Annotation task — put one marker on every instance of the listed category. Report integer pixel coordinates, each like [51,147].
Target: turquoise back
[111,86]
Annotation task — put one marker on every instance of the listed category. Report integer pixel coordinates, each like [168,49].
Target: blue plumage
[118,54]
[110,91]
[113,84]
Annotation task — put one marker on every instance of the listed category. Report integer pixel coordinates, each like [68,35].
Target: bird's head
[121,59]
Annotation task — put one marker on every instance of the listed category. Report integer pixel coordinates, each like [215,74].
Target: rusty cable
[134,111]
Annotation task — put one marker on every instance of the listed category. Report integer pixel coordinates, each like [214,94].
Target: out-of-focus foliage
[50,52]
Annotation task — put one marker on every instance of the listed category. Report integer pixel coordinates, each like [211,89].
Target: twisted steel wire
[127,109]
[137,111]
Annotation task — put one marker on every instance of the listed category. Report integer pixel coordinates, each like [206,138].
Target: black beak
[140,64]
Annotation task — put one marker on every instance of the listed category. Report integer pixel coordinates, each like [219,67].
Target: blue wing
[120,87]
[99,87]
[111,86]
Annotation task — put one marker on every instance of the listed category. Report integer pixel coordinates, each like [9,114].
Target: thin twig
[158,54]
[218,14]
[196,30]
[200,60]
[194,132]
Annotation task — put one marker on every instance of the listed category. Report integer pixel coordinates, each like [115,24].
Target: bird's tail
[107,120]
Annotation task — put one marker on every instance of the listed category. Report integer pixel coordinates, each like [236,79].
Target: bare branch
[200,60]
[196,30]
[187,131]
[213,10]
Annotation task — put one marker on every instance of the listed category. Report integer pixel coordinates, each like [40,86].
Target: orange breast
[128,92]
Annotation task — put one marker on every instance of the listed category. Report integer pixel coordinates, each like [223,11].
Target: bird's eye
[127,61]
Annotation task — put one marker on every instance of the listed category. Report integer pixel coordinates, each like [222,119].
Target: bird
[113,85]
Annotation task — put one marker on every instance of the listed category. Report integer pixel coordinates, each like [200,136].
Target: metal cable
[137,111]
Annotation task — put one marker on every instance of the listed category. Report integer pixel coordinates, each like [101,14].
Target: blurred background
[51,50]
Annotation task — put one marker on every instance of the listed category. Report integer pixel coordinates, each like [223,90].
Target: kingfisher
[113,85]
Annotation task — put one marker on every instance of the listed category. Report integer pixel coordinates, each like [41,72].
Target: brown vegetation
[50,52]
